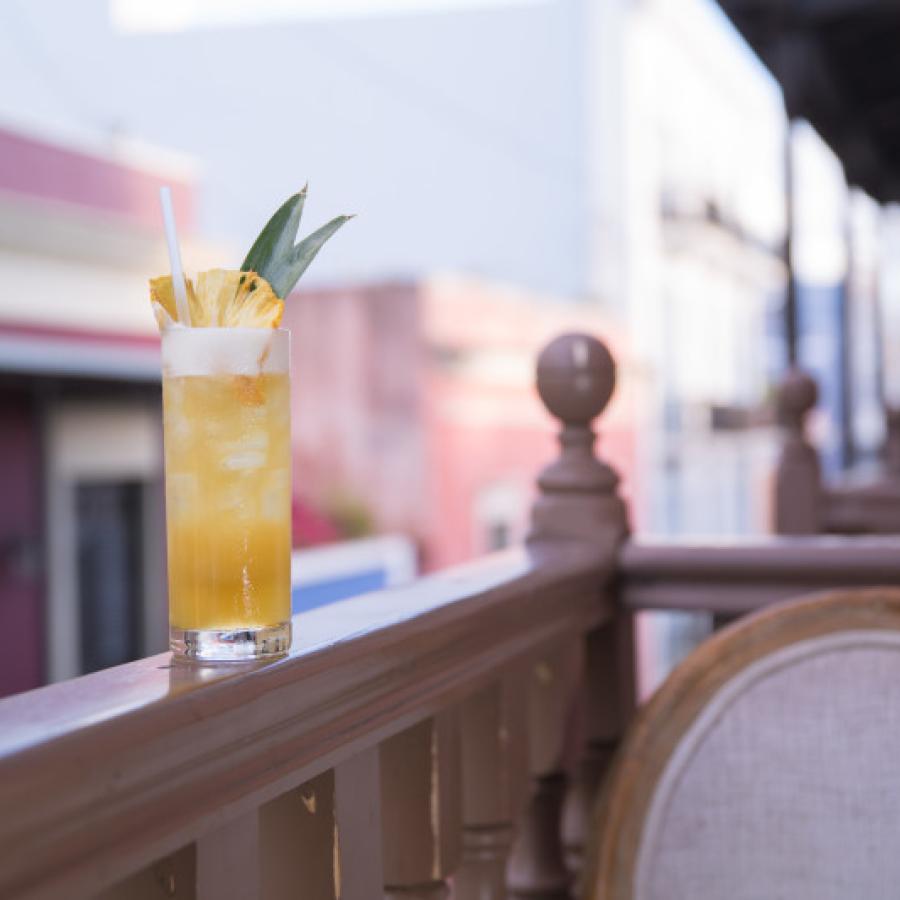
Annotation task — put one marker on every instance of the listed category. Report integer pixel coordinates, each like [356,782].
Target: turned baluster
[579,503]
[610,698]
[420,808]
[495,781]
[798,479]
[228,862]
[174,875]
[324,835]
[537,868]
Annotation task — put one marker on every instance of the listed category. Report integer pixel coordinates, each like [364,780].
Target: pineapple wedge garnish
[253,296]
[239,299]
[221,298]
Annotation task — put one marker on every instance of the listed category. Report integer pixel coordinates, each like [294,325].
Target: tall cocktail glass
[226,423]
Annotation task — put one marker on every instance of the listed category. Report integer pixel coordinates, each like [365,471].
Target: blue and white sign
[322,575]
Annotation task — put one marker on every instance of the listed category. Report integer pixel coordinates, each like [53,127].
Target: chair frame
[659,727]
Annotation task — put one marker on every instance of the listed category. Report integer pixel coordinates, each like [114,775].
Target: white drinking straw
[168,213]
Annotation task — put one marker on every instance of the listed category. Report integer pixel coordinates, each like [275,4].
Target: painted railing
[804,502]
[446,736]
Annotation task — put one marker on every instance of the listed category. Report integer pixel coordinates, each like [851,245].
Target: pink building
[80,449]
[414,401]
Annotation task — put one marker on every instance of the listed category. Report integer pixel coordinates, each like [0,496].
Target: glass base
[231,645]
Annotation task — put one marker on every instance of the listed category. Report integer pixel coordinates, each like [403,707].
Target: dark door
[21,588]
[110,577]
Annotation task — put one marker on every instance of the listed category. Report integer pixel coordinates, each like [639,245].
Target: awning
[67,353]
[838,63]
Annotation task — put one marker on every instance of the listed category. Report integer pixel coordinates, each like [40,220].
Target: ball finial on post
[796,398]
[578,509]
[798,480]
[576,377]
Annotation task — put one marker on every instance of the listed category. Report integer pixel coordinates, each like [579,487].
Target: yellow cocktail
[228,491]
[226,422]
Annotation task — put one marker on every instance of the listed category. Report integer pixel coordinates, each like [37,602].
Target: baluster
[537,866]
[325,835]
[228,860]
[297,842]
[609,702]
[578,503]
[798,479]
[495,779]
[358,826]
[174,875]
[420,808]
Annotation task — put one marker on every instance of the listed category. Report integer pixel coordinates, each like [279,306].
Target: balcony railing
[804,503]
[447,734]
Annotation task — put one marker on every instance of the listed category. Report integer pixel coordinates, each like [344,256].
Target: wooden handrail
[341,764]
[872,508]
[804,503]
[412,735]
[738,577]
[112,770]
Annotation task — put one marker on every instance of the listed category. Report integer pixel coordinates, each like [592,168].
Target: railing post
[297,842]
[495,782]
[228,860]
[578,503]
[357,817]
[537,867]
[798,479]
[324,836]
[610,698]
[892,442]
[420,808]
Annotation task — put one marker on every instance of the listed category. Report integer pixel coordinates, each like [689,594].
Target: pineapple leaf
[276,257]
[292,266]
[277,238]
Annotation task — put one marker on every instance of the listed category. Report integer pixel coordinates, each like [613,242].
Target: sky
[455,155]
[414,122]
[180,15]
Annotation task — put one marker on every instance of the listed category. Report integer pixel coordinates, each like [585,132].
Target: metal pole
[848,446]
[790,294]
[878,316]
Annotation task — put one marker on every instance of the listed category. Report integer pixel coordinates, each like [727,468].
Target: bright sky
[452,133]
[180,15]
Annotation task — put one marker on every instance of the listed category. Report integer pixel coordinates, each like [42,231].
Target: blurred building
[705,223]
[615,165]
[557,145]
[619,155]
[413,406]
[80,530]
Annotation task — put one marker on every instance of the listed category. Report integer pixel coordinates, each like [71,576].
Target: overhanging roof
[67,353]
[838,63]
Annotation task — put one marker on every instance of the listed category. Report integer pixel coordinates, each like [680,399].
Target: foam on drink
[214,351]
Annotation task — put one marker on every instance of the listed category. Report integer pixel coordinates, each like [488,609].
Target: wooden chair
[767,766]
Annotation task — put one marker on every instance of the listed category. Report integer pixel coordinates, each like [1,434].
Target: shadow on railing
[455,729]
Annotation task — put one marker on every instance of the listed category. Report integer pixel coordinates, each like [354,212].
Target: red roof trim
[79,335]
[49,172]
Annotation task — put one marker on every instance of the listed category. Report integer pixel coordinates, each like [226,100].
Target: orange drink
[226,424]
[226,419]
